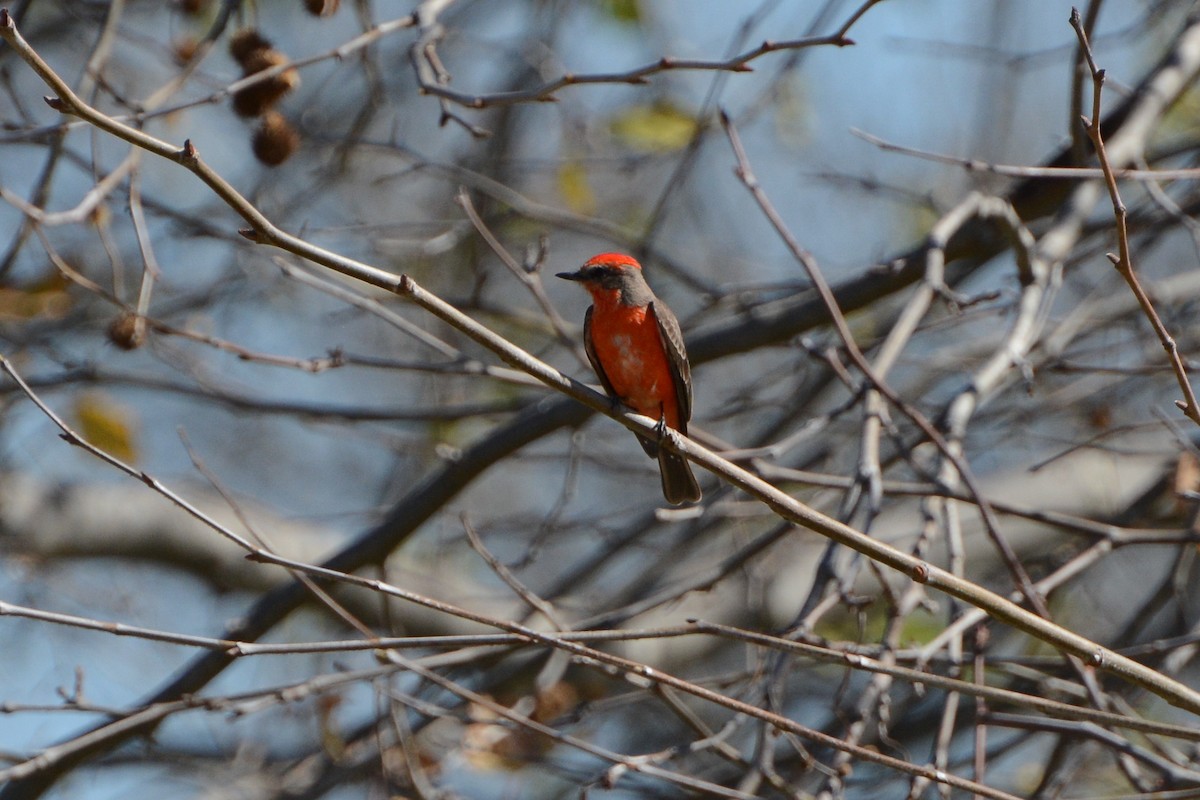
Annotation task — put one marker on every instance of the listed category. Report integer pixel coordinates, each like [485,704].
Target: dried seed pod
[127,331]
[246,42]
[185,50]
[265,58]
[254,100]
[275,140]
[322,8]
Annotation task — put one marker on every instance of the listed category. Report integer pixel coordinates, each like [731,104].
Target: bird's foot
[660,428]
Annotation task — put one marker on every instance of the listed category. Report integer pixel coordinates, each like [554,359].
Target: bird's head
[613,276]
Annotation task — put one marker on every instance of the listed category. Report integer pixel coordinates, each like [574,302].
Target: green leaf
[626,11]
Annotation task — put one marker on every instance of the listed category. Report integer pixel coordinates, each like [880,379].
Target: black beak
[568,276]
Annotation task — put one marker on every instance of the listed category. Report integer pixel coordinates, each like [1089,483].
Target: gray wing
[681,371]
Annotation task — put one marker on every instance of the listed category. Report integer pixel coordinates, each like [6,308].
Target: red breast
[628,345]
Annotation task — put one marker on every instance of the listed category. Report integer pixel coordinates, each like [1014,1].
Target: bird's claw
[660,428]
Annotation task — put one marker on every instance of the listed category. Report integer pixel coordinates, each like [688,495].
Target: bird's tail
[678,483]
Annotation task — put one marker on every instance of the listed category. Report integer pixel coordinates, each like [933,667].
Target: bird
[635,345]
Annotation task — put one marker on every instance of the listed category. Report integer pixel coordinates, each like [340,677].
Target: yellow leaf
[105,424]
[791,114]
[660,127]
[575,189]
[45,299]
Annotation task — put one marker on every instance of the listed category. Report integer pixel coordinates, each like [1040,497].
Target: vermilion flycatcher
[636,348]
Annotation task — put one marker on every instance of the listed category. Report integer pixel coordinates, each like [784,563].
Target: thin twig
[991,524]
[646,675]
[505,574]
[531,279]
[1144,173]
[1123,261]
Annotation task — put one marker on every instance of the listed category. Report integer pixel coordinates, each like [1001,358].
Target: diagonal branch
[1124,260]
[431,494]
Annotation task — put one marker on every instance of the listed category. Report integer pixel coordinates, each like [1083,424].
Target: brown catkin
[245,42]
[254,100]
[127,331]
[275,140]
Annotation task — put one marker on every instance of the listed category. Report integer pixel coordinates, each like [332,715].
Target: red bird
[636,347]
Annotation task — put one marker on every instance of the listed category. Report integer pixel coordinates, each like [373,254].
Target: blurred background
[329,418]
